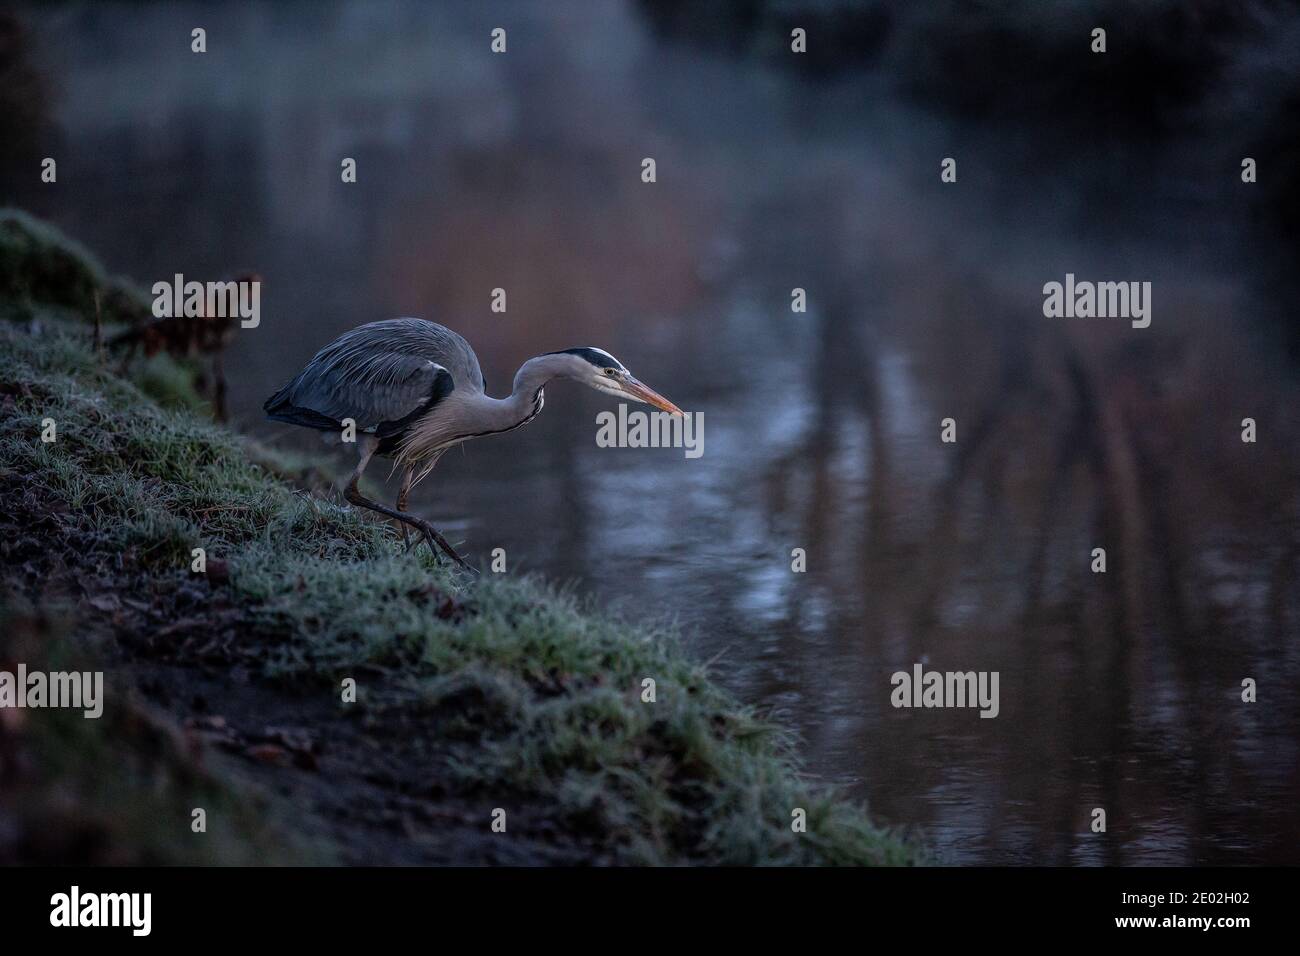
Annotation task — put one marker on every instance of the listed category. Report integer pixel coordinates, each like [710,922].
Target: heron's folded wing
[382,392]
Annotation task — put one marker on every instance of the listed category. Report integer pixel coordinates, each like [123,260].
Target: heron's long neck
[534,374]
[525,400]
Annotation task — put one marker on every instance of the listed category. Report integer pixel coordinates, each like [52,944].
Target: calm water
[821,429]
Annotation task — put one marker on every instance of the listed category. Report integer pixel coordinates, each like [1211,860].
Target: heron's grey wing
[382,391]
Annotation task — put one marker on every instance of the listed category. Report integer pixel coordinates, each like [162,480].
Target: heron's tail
[279,407]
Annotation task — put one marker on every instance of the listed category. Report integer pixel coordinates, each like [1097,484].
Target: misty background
[776,171]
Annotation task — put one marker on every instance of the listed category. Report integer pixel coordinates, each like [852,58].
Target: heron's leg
[408,479]
[431,535]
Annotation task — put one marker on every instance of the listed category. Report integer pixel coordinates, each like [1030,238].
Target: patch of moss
[38,264]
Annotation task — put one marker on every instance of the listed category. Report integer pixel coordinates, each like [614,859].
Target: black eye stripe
[599,359]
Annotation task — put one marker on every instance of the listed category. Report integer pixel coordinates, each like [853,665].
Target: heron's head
[601,371]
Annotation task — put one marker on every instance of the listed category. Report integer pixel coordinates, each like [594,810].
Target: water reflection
[1118,690]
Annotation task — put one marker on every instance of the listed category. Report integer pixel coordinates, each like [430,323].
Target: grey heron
[413,388]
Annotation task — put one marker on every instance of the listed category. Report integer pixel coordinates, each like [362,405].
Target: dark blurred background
[778,171]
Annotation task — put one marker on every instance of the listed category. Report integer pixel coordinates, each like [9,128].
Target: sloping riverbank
[224,689]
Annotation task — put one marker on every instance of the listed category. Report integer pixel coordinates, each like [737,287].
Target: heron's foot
[429,532]
[436,542]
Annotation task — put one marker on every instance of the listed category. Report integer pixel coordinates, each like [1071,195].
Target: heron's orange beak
[644,393]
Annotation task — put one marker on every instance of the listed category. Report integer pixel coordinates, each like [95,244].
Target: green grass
[546,691]
[38,264]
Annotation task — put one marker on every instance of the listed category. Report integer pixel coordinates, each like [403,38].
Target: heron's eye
[611,371]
